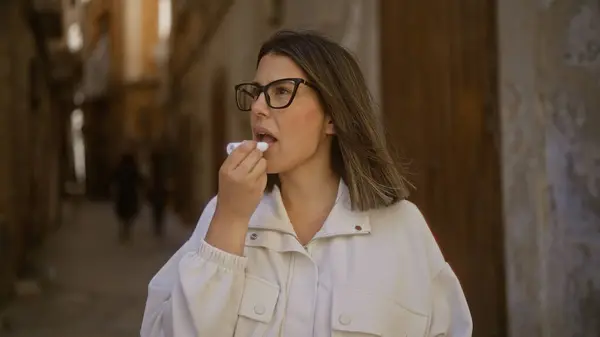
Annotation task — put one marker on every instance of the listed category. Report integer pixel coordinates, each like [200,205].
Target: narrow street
[98,286]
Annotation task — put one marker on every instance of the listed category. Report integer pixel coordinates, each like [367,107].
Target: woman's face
[296,133]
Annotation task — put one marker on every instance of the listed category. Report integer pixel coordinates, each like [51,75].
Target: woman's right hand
[242,181]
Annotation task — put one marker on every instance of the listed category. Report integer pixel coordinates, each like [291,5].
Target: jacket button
[345,320]
[259,309]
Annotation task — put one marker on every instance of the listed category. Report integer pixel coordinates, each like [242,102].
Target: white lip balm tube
[261,146]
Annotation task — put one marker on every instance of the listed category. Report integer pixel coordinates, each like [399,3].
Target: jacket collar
[342,220]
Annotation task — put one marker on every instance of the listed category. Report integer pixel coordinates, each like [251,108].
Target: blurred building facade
[123,77]
[37,73]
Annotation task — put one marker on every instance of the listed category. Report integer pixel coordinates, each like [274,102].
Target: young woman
[314,237]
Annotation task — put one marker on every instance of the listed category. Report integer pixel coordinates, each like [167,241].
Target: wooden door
[440,107]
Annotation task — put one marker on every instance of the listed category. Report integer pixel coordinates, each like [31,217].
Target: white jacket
[375,273]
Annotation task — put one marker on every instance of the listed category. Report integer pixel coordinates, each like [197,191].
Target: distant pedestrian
[126,183]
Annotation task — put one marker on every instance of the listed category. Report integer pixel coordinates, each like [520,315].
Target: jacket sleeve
[197,292]
[451,316]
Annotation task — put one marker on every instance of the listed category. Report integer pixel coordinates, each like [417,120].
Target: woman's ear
[329,127]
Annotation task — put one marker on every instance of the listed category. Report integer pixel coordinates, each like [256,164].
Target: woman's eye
[282,91]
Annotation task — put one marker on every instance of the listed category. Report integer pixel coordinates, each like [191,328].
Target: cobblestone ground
[99,286]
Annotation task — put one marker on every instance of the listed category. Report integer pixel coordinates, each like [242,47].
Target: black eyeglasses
[279,94]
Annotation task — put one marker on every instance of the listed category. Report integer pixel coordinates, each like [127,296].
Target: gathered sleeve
[198,291]
[450,314]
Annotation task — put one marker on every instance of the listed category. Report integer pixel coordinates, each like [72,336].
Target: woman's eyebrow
[267,82]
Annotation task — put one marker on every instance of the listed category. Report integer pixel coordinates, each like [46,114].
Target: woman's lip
[261,138]
[259,130]
[270,141]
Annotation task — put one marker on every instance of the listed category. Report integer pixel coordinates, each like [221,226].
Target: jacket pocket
[361,313]
[257,307]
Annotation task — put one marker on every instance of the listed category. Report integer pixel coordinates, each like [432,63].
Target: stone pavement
[98,286]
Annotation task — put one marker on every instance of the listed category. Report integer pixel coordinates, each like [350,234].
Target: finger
[259,169]
[239,154]
[249,162]
[262,179]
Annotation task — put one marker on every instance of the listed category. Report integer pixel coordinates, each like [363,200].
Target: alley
[97,286]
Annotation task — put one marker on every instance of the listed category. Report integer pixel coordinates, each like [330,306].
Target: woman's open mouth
[265,136]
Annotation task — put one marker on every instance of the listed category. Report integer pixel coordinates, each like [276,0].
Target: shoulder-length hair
[359,153]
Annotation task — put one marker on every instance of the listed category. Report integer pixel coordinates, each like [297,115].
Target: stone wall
[550,79]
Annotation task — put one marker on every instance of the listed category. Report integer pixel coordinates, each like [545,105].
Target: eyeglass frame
[262,89]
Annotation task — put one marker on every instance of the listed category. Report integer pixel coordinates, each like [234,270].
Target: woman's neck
[312,183]
[308,194]
[308,187]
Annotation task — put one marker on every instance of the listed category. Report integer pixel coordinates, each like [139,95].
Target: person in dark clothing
[126,182]
[158,191]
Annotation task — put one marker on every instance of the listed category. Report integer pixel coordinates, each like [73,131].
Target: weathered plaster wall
[550,84]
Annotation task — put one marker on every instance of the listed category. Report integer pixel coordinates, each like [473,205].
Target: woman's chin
[280,165]
[273,167]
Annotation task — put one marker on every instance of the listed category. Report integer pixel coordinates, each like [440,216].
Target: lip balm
[261,146]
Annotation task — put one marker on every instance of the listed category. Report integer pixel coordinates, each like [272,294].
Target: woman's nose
[260,107]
